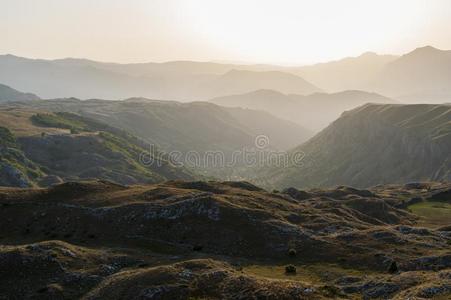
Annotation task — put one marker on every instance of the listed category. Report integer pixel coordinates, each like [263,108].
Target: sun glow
[284,31]
[301,32]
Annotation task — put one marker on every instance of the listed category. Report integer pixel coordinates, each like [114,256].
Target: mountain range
[420,75]
[174,81]
[314,111]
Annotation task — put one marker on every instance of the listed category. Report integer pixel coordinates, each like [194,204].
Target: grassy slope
[432,214]
[16,168]
[374,144]
[93,150]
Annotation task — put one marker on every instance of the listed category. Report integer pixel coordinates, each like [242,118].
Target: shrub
[290,269]
[393,267]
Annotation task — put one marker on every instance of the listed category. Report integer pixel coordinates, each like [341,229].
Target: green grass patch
[59,120]
[432,214]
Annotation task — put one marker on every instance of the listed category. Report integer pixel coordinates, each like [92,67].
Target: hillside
[52,148]
[314,111]
[220,240]
[15,168]
[423,75]
[374,144]
[189,132]
[9,94]
[196,126]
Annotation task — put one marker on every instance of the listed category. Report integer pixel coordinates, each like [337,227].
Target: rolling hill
[314,111]
[220,240]
[371,145]
[40,149]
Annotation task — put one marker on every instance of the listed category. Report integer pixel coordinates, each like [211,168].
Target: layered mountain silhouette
[175,80]
[374,144]
[421,75]
[314,111]
[9,94]
[239,81]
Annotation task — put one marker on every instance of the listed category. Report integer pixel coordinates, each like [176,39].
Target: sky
[291,32]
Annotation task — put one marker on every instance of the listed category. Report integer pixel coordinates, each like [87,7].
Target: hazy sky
[279,31]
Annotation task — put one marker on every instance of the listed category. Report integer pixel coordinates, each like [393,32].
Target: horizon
[224,62]
[291,33]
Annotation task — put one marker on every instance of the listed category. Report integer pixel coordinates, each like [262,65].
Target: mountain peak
[425,50]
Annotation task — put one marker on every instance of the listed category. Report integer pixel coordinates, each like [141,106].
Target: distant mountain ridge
[314,111]
[423,75]
[371,145]
[184,80]
[351,73]
[242,81]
